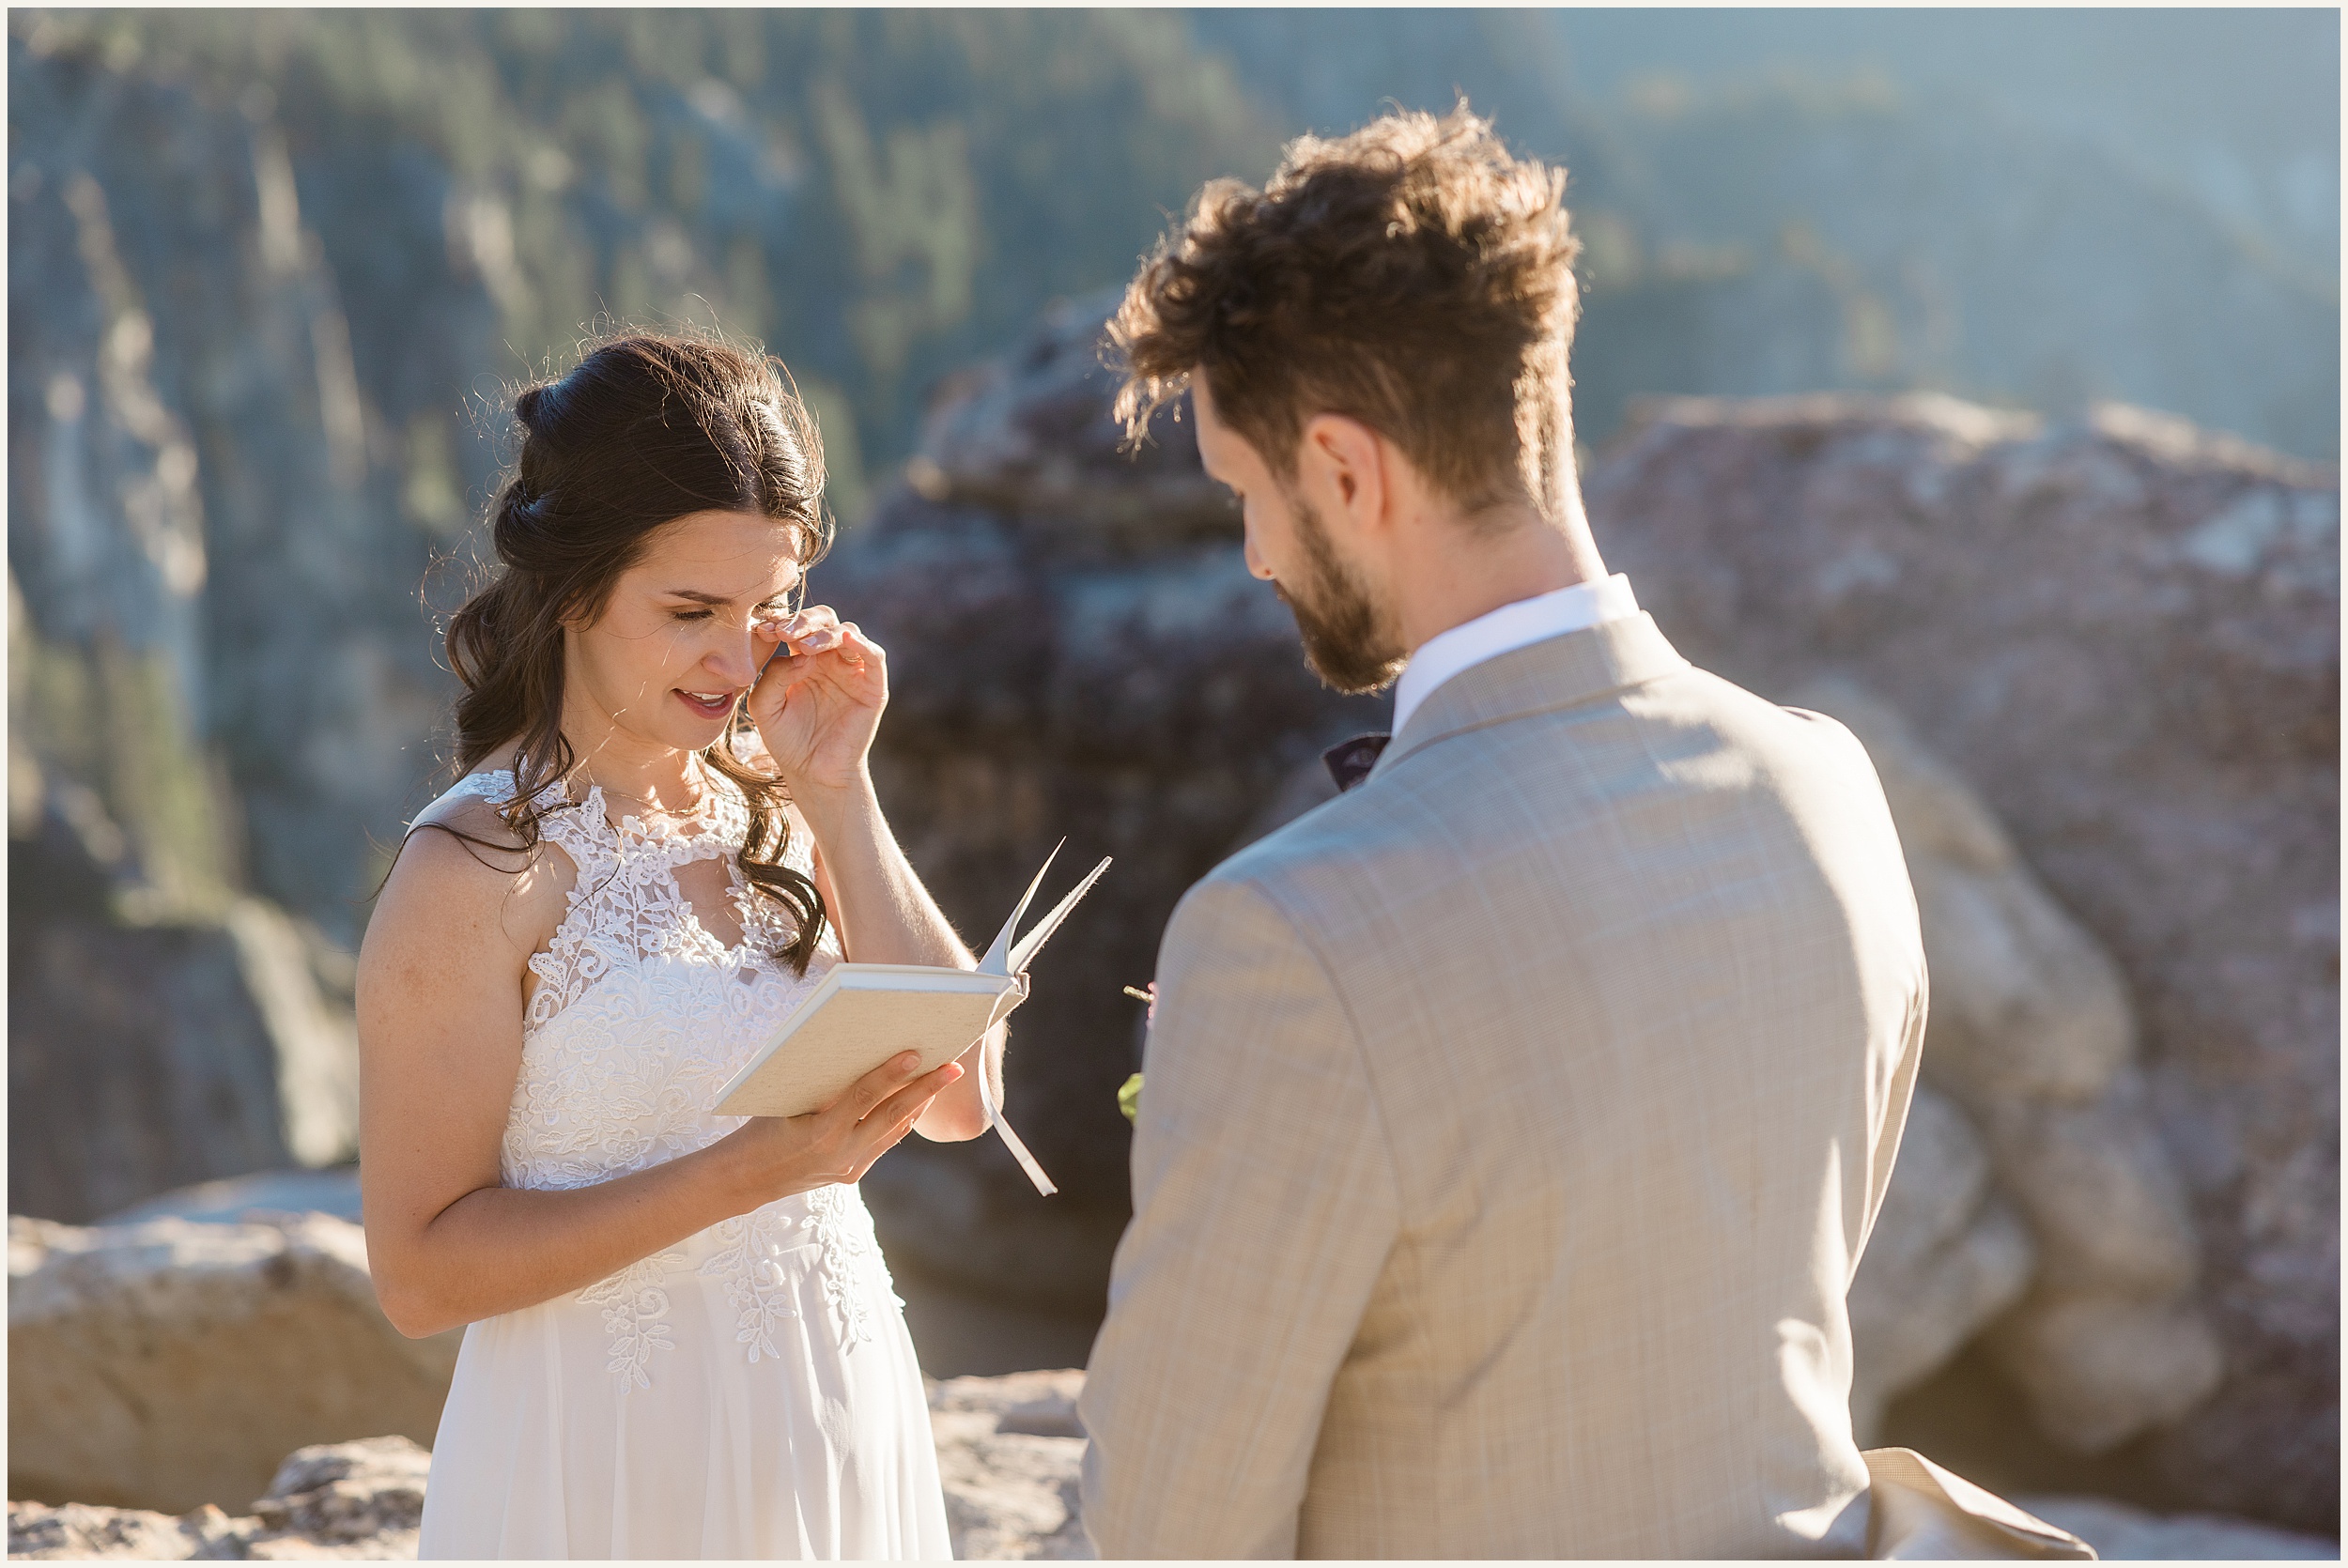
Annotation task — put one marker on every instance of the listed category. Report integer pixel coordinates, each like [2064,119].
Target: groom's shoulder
[1555,772]
[1293,866]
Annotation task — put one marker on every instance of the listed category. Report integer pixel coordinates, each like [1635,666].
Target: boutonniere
[1129,1093]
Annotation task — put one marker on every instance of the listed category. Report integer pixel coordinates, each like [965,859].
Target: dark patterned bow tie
[1349,762]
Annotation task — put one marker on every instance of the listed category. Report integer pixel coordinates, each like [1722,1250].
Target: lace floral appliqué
[753,1277]
[635,1312]
[843,1230]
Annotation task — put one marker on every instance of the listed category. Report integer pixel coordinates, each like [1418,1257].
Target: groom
[1512,1124]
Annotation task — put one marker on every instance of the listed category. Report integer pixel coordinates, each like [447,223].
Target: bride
[682,1340]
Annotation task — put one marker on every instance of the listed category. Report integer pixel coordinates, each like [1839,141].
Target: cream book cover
[861,1014]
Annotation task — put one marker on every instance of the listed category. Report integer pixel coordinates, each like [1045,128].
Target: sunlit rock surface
[2033,1035]
[1009,1450]
[172,1363]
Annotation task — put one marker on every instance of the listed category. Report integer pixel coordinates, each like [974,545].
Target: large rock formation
[1947,1256]
[2033,1035]
[149,1049]
[144,1057]
[2125,637]
[169,1364]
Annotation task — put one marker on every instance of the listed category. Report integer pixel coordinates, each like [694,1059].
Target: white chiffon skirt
[750,1393]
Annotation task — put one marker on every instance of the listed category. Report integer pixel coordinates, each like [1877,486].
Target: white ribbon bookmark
[1008,959]
[1019,1150]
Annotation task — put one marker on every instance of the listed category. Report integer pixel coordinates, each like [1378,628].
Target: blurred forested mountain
[270,270]
[2238,109]
[2032,208]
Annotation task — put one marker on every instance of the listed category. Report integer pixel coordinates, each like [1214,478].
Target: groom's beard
[1344,644]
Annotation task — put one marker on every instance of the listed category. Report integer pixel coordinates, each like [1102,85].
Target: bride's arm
[441,998]
[816,710]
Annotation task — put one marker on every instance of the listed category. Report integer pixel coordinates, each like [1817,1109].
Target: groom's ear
[1345,470]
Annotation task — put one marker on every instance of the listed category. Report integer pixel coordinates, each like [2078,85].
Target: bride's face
[683,634]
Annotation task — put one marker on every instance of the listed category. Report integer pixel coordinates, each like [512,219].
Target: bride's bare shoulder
[460,914]
[472,812]
[461,849]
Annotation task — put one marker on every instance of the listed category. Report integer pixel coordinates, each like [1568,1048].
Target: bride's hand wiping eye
[818,702]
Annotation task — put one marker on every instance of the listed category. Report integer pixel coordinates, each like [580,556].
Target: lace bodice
[639,1013]
[638,1017]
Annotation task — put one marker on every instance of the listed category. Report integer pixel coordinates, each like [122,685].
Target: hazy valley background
[344,232]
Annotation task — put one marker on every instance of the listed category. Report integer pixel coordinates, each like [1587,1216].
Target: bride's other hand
[773,1156]
[819,702]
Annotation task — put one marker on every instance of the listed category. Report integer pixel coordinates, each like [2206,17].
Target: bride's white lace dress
[750,1392]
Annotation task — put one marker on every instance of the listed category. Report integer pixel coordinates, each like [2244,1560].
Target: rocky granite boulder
[2124,1534]
[1076,648]
[143,1058]
[1949,1253]
[2033,1035]
[169,1364]
[356,1500]
[2123,635]
[1009,1450]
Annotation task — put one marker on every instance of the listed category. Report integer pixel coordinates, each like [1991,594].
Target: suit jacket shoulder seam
[1517,715]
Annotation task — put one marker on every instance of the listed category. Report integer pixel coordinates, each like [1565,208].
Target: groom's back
[1512,1123]
[1638,988]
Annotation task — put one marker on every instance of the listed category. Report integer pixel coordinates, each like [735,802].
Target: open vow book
[861,1014]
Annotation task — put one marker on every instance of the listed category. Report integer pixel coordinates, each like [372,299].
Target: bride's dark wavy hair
[646,429]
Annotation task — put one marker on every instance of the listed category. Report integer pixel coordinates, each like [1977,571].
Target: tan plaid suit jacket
[1510,1130]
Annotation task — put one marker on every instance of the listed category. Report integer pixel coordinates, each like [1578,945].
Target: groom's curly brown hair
[1413,275]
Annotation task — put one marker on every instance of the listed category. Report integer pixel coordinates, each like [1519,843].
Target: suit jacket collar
[1554,672]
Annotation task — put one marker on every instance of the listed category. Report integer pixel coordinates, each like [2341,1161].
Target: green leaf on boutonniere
[1129,1098]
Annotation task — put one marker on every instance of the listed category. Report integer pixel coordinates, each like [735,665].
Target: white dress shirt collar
[1506,630]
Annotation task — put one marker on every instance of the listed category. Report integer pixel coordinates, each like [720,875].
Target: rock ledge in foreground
[360,1501]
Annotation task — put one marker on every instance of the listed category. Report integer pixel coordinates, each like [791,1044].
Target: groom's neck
[1456,568]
